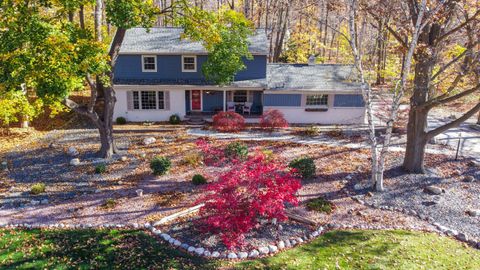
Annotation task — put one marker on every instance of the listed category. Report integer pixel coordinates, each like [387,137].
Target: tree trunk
[417,118]
[478,120]
[98,19]
[81,15]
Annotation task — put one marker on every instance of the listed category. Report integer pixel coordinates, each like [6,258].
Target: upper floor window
[149,63]
[189,63]
[317,100]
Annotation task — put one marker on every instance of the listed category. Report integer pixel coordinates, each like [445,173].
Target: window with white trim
[149,63]
[189,63]
[240,96]
[148,100]
[317,100]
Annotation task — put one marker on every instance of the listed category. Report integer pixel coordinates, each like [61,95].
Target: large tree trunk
[417,119]
[108,147]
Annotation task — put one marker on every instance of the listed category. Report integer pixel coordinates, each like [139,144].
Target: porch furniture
[247,108]
[230,106]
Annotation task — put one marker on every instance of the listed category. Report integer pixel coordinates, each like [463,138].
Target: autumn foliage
[249,191]
[228,122]
[212,156]
[273,119]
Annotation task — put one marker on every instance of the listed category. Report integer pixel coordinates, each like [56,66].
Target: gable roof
[166,40]
[312,77]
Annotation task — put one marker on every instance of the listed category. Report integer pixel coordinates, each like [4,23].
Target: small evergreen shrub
[121,120]
[101,169]
[160,165]
[37,188]
[199,179]
[109,203]
[304,167]
[174,119]
[320,205]
[311,131]
[273,119]
[193,159]
[228,122]
[236,150]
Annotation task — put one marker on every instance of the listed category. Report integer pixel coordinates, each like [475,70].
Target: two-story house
[159,74]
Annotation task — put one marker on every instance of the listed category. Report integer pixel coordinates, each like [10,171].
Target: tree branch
[458,27]
[440,100]
[93,93]
[434,132]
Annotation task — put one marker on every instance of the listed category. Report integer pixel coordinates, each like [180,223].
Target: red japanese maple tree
[254,189]
[228,122]
[273,119]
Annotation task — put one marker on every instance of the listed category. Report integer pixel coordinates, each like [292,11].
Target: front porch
[248,103]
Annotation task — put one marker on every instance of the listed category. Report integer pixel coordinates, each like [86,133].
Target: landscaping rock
[191,249]
[462,237]
[288,244]
[473,212]
[72,151]
[468,179]
[242,255]
[263,250]
[177,243]
[272,248]
[123,158]
[75,162]
[139,192]
[34,202]
[215,254]
[207,253]
[232,256]
[149,140]
[254,254]
[281,245]
[433,190]
[184,246]
[199,251]
[4,165]
[44,201]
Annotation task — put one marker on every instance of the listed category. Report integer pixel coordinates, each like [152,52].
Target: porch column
[224,100]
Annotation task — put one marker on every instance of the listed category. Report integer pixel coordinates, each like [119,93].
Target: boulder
[263,250]
[232,256]
[207,253]
[281,245]
[177,243]
[215,254]
[72,151]
[44,201]
[149,140]
[468,179]
[288,244]
[272,248]
[184,246]
[139,192]
[433,190]
[473,212]
[199,251]
[191,249]
[242,255]
[123,158]
[75,162]
[254,254]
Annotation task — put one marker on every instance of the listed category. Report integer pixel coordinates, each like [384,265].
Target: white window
[149,63]
[148,100]
[317,100]
[240,96]
[189,63]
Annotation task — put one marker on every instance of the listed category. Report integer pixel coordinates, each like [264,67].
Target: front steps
[195,119]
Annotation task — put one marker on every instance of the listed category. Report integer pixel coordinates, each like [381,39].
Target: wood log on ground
[182,213]
[301,219]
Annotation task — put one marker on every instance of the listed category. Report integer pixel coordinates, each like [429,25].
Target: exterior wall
[177,105]
[169,68]
[348,111]
[212,101]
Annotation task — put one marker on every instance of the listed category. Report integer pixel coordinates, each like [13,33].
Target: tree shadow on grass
[94,249]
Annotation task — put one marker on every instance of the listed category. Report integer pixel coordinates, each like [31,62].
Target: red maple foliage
[273,119]
[228,122]
[212,156]
[254,189]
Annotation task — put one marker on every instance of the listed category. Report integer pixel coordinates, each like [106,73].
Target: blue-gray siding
[289,100]
[169,68]
[212,101]
[348,101]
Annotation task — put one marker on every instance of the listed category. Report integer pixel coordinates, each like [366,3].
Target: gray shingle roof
[315,77]
[166,40]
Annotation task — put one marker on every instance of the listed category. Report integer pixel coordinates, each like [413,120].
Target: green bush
[174,119]
[109,203]
[311,131]
[320,205]
[121,120]
[37,188]
[304,166]
[160,165]
[198,179]
[193,159]
[237,150]
[101,169]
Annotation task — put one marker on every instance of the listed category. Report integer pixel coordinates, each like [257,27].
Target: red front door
[196,100]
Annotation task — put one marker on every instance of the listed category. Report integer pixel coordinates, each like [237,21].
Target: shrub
[228,122]
[174,119]
[268,154]
[160,165]
[320,205]
[37,188]
[304,167]
[248,192]
[101,169]
[236,150]
[212,156]
[109,203]
[198,179]
[273,119]
[121,120]
[311,131]
[192,159]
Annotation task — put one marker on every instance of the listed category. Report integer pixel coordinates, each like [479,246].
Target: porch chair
[230,106]
[247,108]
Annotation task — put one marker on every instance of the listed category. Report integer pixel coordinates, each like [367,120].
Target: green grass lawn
[109,249]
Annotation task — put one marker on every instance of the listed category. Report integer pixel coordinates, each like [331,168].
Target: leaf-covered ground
[113,249]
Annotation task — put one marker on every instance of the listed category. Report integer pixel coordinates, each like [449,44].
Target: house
[158,74]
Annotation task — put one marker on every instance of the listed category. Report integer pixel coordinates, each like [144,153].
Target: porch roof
[253,83]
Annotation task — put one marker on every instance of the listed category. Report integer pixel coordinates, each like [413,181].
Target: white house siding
[176,99]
